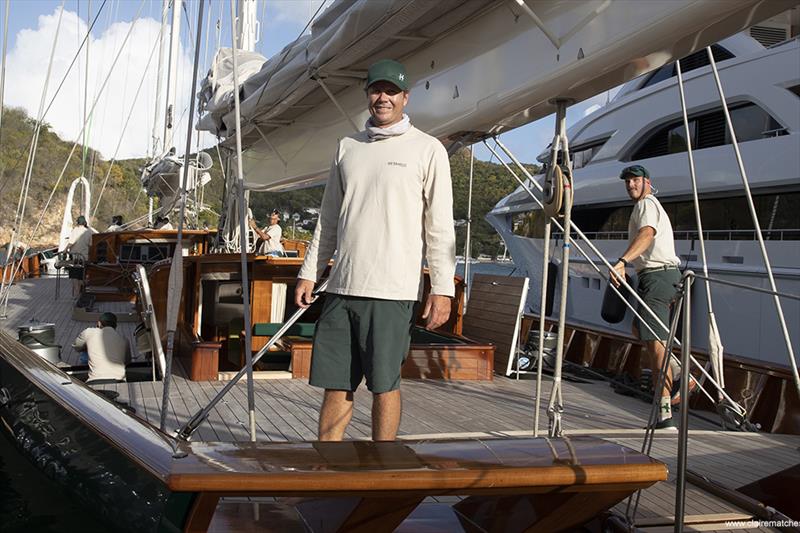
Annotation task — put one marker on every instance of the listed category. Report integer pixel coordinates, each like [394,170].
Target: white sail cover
[216,90]
[477,67]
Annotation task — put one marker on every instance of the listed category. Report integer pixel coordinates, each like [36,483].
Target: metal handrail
[717,235]
[191,426]
[748,287]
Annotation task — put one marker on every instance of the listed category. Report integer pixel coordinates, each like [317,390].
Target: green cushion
[421,335]
[298,329]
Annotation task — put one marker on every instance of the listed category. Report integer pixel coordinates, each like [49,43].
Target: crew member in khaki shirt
[387,205]
[107,350]
[651,251]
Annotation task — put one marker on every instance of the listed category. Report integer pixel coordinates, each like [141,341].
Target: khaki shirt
[649,212]
[108,351]
[79,240]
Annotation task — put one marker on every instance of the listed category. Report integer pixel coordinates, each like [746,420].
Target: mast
[172,75]
[158,146]
[247,25]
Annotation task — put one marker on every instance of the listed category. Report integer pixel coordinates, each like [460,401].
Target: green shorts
[359,338]
[657,289]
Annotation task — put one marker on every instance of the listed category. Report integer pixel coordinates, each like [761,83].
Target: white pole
[468,242]
[157,146]
[172,76]
[714,344]
[556,405]
[243,235]
[247,25]
[756,224]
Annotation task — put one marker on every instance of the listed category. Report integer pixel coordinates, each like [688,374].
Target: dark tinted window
[721,216]
[583,154]
[751,122]
[688,64]
[709,129]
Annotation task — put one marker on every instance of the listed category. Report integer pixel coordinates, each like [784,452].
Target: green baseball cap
[634,170]
[388,70]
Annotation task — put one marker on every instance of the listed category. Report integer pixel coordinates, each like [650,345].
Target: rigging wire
[125,127]
[289,49]
[61,84]
[26,178]
[756,224]
[176,272]
[3,84]
[78,136]
[85,92]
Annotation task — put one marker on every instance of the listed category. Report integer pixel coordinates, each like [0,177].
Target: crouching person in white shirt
[106,348]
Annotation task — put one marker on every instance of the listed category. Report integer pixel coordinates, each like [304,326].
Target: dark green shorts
[657,289]
[358,338]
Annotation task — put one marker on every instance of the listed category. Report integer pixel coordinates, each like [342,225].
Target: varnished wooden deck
[286,410]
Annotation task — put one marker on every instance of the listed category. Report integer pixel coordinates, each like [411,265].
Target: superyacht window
[583,154]
[688,64]
[723,218]
[750,122]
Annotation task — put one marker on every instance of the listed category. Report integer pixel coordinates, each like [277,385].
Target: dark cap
[388,70]
[108,319]
[81,220]
[634,170]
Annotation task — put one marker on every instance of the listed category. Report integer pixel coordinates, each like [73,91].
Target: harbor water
[30,502]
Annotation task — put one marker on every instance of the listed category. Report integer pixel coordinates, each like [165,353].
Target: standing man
[388,205]
[270,236]
[80,238]
[651,252]
[78,243]
[107,350]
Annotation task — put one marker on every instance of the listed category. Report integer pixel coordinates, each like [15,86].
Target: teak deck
[286,411]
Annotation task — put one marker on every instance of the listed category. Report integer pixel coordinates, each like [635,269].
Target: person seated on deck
[270,236]
[106,350]
[116,223]
[162,223]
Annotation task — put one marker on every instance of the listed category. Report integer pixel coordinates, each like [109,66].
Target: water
[29,502]
[492,268]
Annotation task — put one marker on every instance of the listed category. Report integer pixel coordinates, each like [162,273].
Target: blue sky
[32,26]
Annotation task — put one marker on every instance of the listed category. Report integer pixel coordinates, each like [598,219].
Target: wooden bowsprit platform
[511,484]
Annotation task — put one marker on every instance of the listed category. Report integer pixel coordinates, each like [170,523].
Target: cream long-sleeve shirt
[108,351]
[387,205]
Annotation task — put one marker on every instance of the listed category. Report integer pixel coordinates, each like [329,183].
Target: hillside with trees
[122,186]
[122,194]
